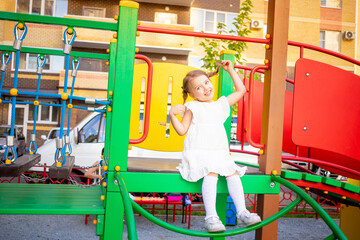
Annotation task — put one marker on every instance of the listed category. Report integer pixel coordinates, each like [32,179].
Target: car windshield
[56,132]
[4,131]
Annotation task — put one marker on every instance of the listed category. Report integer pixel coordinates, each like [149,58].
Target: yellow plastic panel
[166,92]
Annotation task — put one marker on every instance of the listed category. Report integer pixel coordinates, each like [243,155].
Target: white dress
[206,144]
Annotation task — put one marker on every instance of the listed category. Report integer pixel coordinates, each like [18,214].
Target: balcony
[146,42]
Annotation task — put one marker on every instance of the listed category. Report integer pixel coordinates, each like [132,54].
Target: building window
[94,12]
[28,62]
[37,7]
[165,18]
[92,65]
[46,114]
[330,40]
[207,21]
[331,3]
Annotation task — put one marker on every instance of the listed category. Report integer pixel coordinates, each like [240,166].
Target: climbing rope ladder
[110,201]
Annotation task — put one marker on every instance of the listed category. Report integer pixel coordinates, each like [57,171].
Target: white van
[87,141]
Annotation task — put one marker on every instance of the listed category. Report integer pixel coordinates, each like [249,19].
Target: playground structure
[106,200]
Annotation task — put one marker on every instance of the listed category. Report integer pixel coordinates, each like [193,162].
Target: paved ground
[59,227]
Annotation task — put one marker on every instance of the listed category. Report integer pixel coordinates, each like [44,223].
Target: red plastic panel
[256,118]
[326,112]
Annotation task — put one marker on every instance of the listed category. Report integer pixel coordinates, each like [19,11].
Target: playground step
[64,171]
[21,165]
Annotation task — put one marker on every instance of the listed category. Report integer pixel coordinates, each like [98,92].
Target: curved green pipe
[247,164]
[220,234]
[330,237]
[129,214]
[327,219]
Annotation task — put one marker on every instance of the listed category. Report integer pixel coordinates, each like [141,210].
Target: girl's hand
[226,65]
[178,109]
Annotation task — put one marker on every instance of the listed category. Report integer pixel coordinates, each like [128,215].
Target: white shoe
[246,218]
[213,224]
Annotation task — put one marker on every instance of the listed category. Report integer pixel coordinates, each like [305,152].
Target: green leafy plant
[213,47]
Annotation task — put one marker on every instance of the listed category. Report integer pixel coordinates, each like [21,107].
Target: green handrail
[327,219]
[129,214]
[330,237]
[23,17]
[58,52]
[221,234]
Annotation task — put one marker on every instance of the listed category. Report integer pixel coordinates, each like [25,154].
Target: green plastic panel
[49,199]
[291,175]
[331,182]
[350,187]
[100,225]
[172,182]
[311,178]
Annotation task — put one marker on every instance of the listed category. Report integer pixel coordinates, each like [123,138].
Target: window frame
[157,17]
[326,6]
[38,119]
[49,61]
[103,11]
[215,18]
[42,10]
[324,40]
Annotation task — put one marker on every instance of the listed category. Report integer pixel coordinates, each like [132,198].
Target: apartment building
[331,24]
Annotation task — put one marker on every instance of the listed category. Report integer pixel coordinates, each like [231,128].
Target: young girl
[206,151]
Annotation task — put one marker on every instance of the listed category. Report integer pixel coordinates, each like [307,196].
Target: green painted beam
[291,175]
[173,182]
[111,80]
[58,52]
[100,225]
[22,17]
[331,182]
[226,87]
[311,178]
[351,188]
[48,199]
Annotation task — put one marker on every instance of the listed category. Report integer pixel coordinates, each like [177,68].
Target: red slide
[322,117]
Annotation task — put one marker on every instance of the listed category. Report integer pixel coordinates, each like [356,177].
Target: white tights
[209,194]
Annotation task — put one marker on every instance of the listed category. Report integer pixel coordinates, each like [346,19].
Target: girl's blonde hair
[191,75]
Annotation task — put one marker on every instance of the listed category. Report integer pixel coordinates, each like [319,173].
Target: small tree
[213,47]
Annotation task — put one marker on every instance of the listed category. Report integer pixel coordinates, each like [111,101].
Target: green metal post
[111,78]
[120,108]
[225,88]
[226,85]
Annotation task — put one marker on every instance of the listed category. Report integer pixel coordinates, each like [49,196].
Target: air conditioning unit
[256,24]
[348,35]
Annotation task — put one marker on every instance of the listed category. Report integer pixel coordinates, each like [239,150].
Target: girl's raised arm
[180,127]
[240,89]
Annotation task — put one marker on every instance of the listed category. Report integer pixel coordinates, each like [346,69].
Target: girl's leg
[212,221]
[236,192]
[209,194]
